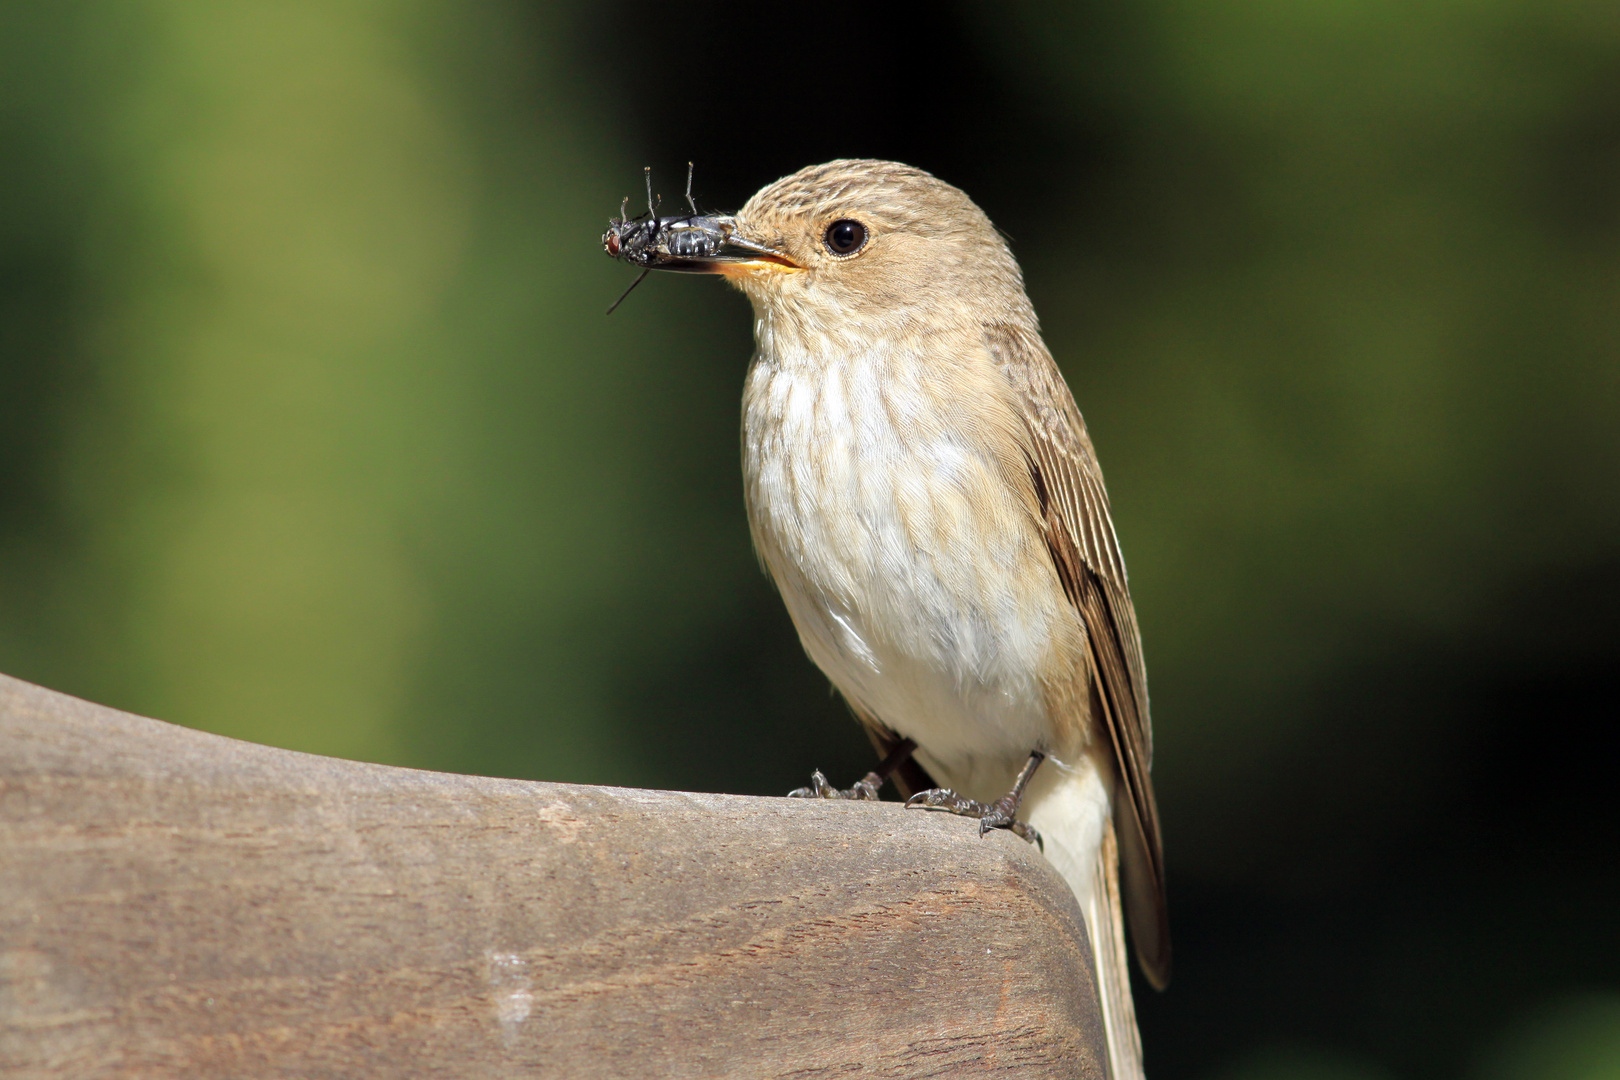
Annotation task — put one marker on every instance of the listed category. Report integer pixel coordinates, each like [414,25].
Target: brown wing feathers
[1080,535]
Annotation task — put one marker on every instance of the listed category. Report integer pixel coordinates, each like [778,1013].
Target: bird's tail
[1105,922]
[1078,838]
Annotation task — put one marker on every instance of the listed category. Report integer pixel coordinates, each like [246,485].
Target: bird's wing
[1080,535]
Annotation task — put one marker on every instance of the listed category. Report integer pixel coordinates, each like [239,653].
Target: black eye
[845,237]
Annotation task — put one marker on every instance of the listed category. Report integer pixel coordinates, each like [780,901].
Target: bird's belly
[917,580]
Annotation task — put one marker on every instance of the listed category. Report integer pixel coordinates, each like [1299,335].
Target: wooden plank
[177,904]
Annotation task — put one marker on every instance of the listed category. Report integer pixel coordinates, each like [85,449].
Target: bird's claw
[819,788]
[948,800]
[1000,814]
[864,790]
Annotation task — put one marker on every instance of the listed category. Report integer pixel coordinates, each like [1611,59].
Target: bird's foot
[865,789]
[1001,814]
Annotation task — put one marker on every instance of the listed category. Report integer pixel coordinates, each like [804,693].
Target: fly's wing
[1080,535]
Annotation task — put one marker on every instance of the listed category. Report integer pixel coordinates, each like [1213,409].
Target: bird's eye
[845,237]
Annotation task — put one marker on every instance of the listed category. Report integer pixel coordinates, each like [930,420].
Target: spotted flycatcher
[923,491]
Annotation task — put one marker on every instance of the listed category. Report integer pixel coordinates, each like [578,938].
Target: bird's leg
[866,788]
[1001,814]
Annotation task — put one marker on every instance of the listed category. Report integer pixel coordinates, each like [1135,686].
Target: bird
[922,490]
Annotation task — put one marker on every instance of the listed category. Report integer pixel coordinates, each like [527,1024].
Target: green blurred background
[312,432]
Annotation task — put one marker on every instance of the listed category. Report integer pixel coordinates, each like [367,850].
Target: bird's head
[847,243]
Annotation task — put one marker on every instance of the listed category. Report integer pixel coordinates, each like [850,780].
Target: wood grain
[177,904]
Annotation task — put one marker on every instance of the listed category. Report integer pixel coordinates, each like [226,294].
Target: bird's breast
[912,567]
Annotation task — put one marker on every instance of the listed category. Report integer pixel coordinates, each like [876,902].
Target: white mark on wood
[563,818]
[509,985]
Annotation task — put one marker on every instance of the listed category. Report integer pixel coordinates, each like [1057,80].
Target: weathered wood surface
[177,904]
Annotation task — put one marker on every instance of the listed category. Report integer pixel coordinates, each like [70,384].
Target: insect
[644,239]
[691,242]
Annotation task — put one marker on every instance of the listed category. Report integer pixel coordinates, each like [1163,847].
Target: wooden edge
[179,904]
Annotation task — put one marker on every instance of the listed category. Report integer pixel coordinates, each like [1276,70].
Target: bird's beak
[711,244]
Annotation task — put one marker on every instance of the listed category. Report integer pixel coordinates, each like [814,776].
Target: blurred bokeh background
[312,432]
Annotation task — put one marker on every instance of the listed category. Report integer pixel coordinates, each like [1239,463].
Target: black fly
[649,241]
